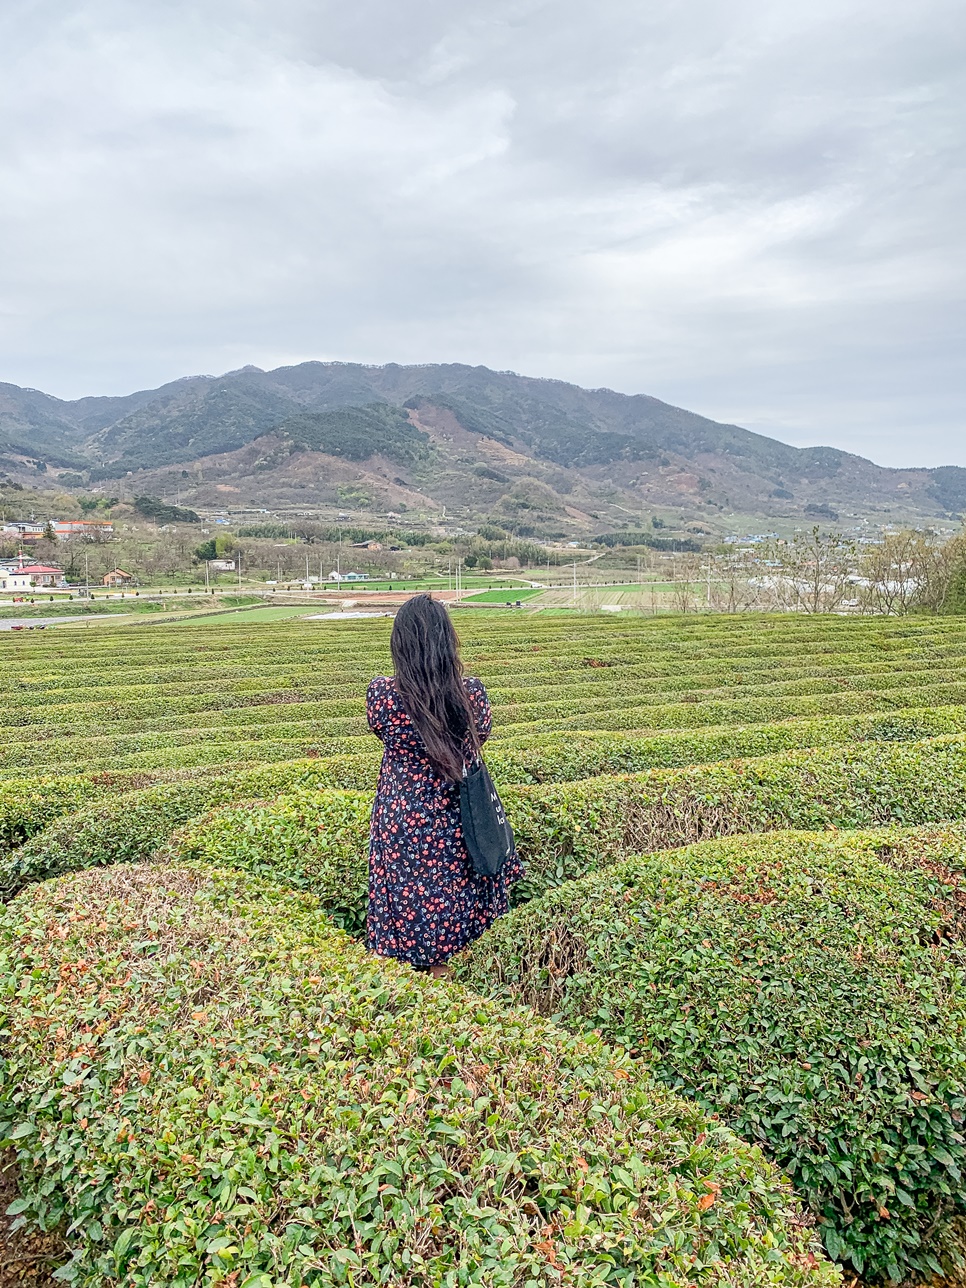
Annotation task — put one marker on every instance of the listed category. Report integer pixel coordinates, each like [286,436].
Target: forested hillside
[538,454]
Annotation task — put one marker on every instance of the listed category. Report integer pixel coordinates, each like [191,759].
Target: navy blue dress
[425,900]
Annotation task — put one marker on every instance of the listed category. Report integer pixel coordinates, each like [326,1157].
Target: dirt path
[24,1258]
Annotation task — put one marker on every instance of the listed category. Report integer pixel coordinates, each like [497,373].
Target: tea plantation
[720,1039]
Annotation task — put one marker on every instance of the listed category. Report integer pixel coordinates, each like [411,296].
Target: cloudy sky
[750,208]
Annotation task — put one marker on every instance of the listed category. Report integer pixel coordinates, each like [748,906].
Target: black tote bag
[486,831]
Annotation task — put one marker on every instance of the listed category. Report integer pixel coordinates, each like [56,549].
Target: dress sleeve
[481,708]
[377,706]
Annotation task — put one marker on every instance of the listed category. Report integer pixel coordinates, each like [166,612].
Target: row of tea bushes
[117,826]
[317,840]
[536,682]
[563,830]
[501,646]
[529,682]
[564,758]
[277,738]
[30,803]
[227,1090]
[214,707]
[808,987]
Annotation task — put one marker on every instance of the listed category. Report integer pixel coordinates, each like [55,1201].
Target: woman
[425,900]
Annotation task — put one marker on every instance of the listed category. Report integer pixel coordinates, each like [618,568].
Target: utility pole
[207,575]
[575,584]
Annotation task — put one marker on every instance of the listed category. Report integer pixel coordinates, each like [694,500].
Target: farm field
[719,1039]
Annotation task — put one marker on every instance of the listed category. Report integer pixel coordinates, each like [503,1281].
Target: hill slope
[540,454]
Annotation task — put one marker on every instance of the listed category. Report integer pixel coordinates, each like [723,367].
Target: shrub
[567,830]
[133,825]
[809,987]
[313,841]
[227,1090]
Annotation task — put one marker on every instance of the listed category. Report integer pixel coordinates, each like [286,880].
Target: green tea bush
[133,825]
[312,841]
[206,1083]
[808,987]
[559,757]
[567,830]
[31,802]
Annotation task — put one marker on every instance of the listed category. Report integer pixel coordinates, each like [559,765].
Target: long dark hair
[429,679]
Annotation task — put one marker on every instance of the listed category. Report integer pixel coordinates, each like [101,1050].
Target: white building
[13,577]
[348,576]
[22,576]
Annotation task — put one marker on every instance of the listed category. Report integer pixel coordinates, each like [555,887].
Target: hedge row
[30,803]
[107,751]
[159,651]
[563,830]
[761,710]
[134,824]
[227,1090]
[573,701]
[307,839]
[808,987]
[586,675]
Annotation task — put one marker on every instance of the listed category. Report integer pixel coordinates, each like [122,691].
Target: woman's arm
[377,706]
[481,708]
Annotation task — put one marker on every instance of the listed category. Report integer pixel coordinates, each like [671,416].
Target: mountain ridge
[587,455]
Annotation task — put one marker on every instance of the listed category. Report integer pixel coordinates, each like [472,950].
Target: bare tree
[895,571]
[686,572]
[733,586]
[812,573]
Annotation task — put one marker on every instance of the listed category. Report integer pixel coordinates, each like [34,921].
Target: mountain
[540,455]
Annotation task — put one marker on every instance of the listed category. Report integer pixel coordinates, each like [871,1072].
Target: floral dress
[425,900]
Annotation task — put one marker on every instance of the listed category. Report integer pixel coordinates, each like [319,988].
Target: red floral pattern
[425,900]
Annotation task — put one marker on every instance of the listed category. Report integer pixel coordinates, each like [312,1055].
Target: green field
[504,596]
[745,851]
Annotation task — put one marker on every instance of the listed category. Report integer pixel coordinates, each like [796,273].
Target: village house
[22,576]
[45,575]
[118,578]
[89,527]
[13,577]
[23,531]
[348,576]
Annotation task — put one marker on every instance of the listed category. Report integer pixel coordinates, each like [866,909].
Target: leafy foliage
[808,987]
[358,433]
[568,830]
[227,1089]
[160,512]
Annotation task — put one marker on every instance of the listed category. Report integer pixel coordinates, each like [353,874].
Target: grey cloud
[751,209]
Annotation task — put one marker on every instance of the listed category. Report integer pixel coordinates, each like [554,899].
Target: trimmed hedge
[135,824]
[567,830]
[808,987]
[30,803]
[208,1084]
[213,708]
